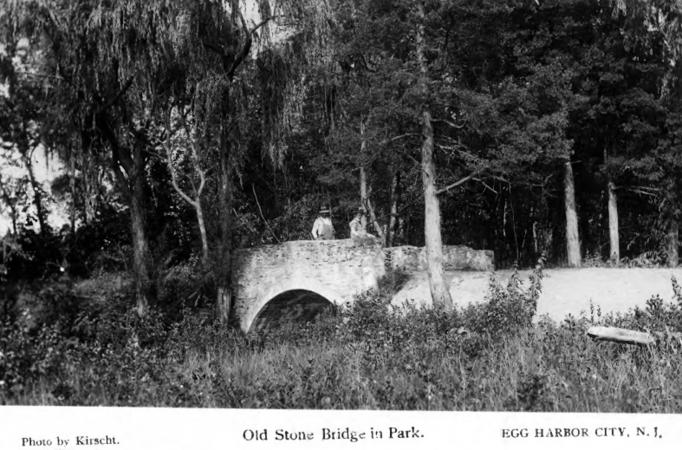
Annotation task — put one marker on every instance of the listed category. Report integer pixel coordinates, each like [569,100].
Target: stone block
[455,257]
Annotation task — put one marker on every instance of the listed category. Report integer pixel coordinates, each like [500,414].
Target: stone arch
[296,305]
[295,301]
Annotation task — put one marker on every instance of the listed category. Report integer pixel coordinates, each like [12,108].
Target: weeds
[370,355]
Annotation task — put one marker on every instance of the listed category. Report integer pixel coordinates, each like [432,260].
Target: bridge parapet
[455,257]
[336,270]
[304,275]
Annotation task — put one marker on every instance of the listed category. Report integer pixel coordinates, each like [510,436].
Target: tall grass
[369,356]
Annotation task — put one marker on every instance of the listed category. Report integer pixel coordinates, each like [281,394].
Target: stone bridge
[299,279]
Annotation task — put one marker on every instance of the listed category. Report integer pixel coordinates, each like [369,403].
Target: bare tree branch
[169,163]
[264,22]
[396,138]
[450,123]
[246,47]
[457,183]
[260,211]
[486,185]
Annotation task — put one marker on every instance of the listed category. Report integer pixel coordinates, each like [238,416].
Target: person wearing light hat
[358,224]
[323,227]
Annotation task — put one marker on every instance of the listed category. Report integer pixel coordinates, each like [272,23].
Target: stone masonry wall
[337,270]
[455,257]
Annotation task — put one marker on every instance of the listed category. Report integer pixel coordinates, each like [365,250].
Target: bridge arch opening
[292,306]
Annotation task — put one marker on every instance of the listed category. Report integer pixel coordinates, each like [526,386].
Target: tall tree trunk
[614,244]
[12,205]
[194,201]
[365,192]
[201,223]
[673,242]
[133,161]
[141,253]
[614,254]
[400,234]
[223,269]
[37,191]
[440,293]
[572,236]
[89,190]
[72,191]
[381,233]
[669,97]
[432,232]
[394,209]
[364,198]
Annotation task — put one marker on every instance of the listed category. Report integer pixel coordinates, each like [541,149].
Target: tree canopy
[187,129]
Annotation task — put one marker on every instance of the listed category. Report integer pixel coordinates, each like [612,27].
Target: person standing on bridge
[323,227]
[358,226]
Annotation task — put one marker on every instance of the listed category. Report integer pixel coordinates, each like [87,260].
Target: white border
[221,429]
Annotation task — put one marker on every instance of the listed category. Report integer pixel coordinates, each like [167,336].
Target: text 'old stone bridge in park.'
[297,279]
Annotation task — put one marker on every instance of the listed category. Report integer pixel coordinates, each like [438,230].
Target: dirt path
[564,291]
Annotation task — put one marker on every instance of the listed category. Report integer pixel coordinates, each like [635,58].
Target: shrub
[26,356]
[367,355]
[183,286]
[509,308]
[52,304]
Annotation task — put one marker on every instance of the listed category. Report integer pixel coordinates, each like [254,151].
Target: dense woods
[143,142]
[186,129]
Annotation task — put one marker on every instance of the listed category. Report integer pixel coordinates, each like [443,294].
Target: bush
[52,304]
[366,355]
[32,256]
[183,286]
[508,309]
[26,357]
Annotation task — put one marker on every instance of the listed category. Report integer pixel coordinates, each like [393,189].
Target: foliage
[275,119]
[516,88]
[511,308]
[367,356]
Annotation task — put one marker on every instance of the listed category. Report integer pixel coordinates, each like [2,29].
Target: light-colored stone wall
[338,270]
[455,257]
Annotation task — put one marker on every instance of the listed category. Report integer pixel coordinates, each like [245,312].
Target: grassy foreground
[368,356]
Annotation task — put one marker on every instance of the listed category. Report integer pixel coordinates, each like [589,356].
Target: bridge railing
[455,257]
